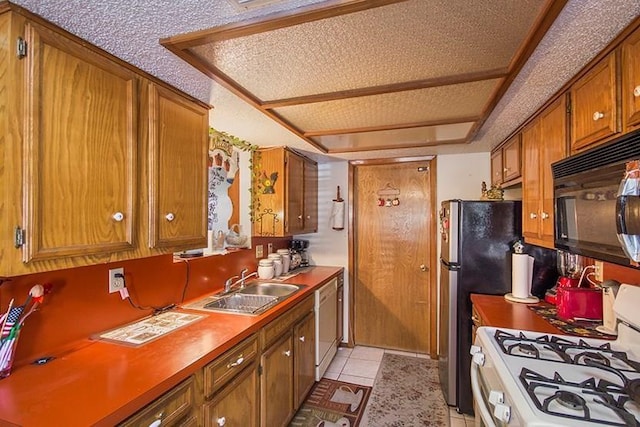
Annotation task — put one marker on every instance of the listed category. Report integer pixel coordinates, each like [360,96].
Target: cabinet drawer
[170,409]
[224,368]
[276,328]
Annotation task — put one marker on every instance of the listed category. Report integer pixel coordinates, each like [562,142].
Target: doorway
[392,248]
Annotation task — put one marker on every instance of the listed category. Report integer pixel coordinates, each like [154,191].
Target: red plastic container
[580,303]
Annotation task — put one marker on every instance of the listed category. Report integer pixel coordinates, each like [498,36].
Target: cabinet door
[553,143]
[496,167]
[304,360]
[594,106]
[236,404]
[631,80]
[295,194]
[276,397]
[178,148]
[310,196]
[80,149]
[531,186]
[511,159]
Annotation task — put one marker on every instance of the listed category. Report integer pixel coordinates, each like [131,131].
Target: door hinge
[19,237]
[21,48]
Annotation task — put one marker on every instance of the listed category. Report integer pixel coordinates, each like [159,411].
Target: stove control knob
[478,358]
[502,412]
[496,397]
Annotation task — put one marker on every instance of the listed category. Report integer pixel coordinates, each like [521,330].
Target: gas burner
[569,400]
[524,349]
[604,403]
[582,358]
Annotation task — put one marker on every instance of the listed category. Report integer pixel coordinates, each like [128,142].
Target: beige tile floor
[359,365]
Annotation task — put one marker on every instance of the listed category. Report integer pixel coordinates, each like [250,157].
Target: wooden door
[631,80]
[236,404]
[392,256]
[594,105]
[178,149]
[81,143]
[276,397]
[531,187]
[304,361]
[295,194]
[553,147]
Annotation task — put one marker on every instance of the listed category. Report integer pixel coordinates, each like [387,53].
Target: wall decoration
[268,182]
[388,196]
[494,193]
[224,159]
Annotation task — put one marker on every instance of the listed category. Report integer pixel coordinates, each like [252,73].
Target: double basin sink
[255,298]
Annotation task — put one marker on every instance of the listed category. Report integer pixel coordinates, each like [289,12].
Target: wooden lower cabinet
[276,387]
[237,403]
[175,407]
[304,358]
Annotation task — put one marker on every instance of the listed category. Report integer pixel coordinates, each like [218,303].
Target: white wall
[329,246]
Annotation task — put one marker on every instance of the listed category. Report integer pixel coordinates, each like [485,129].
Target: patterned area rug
[332,404]
[406,393]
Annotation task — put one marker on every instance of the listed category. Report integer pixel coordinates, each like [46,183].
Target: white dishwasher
[326,306]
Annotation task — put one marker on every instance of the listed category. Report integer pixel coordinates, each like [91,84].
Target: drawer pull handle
[287,353]
[533,215]
[301,338]
[118,216]
[597,116]
[158,421]
[170,217]
[221,421]
[545,215]
[238,362]
[636,91]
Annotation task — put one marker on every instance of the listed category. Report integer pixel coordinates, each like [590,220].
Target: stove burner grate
[607,394]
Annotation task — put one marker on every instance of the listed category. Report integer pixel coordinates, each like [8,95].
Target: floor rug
[406,393]
[332,403]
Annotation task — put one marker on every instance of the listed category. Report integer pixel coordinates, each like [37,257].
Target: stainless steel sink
[271,289]
[255,298]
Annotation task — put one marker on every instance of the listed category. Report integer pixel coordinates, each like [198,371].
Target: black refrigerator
[476,239]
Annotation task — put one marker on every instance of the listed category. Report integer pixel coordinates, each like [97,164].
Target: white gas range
[524,378]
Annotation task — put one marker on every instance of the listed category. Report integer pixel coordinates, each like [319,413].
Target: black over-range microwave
[594,215]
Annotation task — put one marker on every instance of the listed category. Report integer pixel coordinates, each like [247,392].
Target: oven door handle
[487,419]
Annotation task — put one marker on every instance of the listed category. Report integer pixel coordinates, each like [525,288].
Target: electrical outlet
[269,248]
[259,251]
[599,271]
[116,283]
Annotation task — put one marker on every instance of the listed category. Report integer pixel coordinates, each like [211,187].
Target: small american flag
[12,318]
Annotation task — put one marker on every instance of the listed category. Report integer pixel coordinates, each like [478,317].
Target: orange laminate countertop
[496,311]
[103,383]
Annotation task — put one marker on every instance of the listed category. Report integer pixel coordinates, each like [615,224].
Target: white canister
[286,259]
[265,269]
[277,263]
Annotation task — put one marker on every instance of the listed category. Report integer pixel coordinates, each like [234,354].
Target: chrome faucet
[229,283]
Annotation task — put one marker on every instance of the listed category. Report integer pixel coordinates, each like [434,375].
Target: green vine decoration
[216,135]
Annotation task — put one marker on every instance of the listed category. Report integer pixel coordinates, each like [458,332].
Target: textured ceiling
[131,30]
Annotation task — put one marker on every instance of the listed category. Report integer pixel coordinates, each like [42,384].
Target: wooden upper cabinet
[544,142]
[631,81]
[511,155]
[505,162]
[496,167]
[285,193]
[594,106]
[80,149]
[178,149]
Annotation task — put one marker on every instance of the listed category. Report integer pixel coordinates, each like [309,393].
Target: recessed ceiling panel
[396,43]
[403,138]
[451,102]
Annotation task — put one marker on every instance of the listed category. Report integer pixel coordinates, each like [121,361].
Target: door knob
[424,267]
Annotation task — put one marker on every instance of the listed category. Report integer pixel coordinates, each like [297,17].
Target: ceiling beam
[396,146]
[328,132]
[389,88]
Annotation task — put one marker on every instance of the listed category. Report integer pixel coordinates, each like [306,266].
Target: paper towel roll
[521,275]
[337,215]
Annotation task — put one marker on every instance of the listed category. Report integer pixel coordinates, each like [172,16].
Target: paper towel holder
[531,299]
